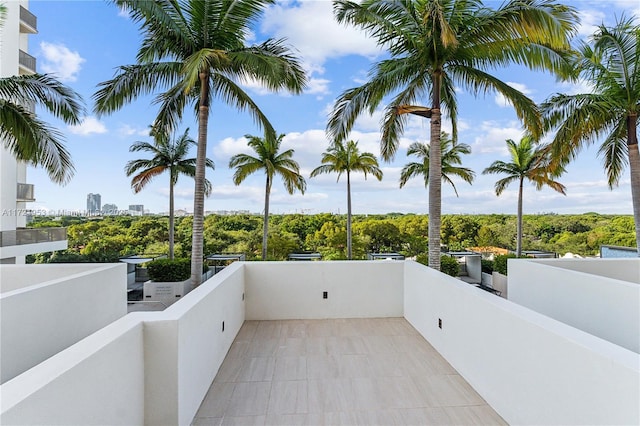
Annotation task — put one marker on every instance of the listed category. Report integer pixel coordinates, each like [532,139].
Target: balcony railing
[32,236]
[25,192]
[27,62]
[28,21]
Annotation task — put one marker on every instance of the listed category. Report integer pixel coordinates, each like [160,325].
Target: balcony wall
[598,296]
[44,309]
[530,368]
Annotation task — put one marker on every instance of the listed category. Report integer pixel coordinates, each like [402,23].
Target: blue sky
[83,42]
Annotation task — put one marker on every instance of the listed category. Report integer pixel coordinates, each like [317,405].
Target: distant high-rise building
[109,209]
[136,209]
[94,202]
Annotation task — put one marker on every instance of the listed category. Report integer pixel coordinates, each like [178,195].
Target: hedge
[167,270]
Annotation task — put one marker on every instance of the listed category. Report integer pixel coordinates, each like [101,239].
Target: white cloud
[502,102]
[311,27]
[127,130]
[59,60]
[89,125]
[493,138]
[590,19]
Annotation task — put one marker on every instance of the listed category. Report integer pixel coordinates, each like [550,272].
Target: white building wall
[597,304]
[42,319]
[533,370]
[294,290]
[12,172]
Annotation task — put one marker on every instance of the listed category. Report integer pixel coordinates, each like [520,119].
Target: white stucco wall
[530,368]
[605,307]
[355,289]
[185,346]
[40,320]
[97,381]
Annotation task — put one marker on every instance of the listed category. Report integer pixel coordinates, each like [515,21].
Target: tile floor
[373,371]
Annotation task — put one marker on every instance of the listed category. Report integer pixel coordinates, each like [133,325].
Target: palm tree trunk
[171,218]
[198,196]
[435,177]
[349,254]
[634,167]
[265,222]
[519,225]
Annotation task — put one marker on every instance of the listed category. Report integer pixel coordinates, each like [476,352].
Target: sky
[83,42]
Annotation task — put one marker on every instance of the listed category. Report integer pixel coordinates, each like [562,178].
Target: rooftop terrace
[362,341]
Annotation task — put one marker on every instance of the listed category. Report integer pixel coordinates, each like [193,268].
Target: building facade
[94,203]
[136,209]
[16,241]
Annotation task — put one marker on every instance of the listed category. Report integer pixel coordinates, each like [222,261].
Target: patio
[338,371]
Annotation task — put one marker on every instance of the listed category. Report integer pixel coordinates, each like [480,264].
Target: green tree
[346,158]
[611,66]
[528,163]
[168,156]
[450,162]
[438,46]
[273,162]
[195,49]
[27,137]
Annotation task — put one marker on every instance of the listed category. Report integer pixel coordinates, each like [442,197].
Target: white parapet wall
[530,368]
[295,290]
[41,317]
[599,296]
[97,381]
[151,368]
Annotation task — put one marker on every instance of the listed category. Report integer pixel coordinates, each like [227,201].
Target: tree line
[106,239]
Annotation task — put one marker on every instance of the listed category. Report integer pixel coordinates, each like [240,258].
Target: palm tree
[529,163]
[27,137]
[451,153]
[195,50]
[340,158]
[273,162]
[611,64]
[436,46]
[168,156]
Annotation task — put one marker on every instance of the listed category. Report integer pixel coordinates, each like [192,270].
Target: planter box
[500,283]
[165,292]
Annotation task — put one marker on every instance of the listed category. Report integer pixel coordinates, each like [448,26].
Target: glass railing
[28,19]
[32,236]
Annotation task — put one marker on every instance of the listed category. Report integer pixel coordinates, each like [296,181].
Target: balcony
[25,192]
[28,21]
[32,236]
[391,343]
[27,63]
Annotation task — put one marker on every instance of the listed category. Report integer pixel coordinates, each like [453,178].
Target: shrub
[167,270]
[449,266]
[500,262]
[487,266]
[423,258]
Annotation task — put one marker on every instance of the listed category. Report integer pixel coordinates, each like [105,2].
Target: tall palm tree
[346,158]
[195,51]
[528,163]
[27,137]
[273,162]
[436,46]
[168,156]
[451,160]
[611,64]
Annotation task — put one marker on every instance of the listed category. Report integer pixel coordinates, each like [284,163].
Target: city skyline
[83,53]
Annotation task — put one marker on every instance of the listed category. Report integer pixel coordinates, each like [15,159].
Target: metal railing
[27,61]
[28,18]
[25,192]
[32,236]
